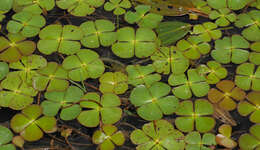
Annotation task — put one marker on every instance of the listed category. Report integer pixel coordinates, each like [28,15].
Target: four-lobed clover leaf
[232,4]
[80,7]
[107,137]
[66,101]
[231,49]
[226,95]
[250,140]
[6,136]
[103,109]
[100,32]
[59,38]
[193,47]
[159,135]
[14,47]
[27,23]
[183,87]
[83,65]
[143,18]
[248,77]
[16,94]
[138,74]
[140,43]
[195,141]
[152,102]
[118,6]
[35,6]
[196,114]
[31,124]
[223,16]
[207,31]
[251,21]
[251,107]
[27,67]
[213,72]
[113,82]
[51,78]
[169,60]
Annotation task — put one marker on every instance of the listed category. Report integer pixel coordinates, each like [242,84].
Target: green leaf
[5,135]
[80,8]
[142,75]
[14,47]
[59,38]
[4,69]
[231,50]
[251,21]
[207,31]
[31,125]
[28,24]
[100,32]
[143,18]
[51,78]
[6,5]
[113,82]
[117,6]
[170,32]
[250,141]
[37,7]
[141,43]
[169,60]
[83,65]
[105,109]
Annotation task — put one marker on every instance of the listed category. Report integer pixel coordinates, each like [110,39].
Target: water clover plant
[35,6]
[100,32]
[223,16]
[207,31]
[83,65]
[6,137]
[254,57]
[143,18]
[152,102]
[202,6]
[113,82]
[14,47]
[4,69]
[80,8]
[251,140]
[193,47]
[16,94]
[227,95]
[248,77]
[66,101]
[118,6]
[213,72]
[51,78]
[31,124]
[171,31]
[184,86]
[251,107]
[138,74]
[27,67]
[169,60]
[59,38]
[159,134]
[6,5]
[195,115]
[141,43]
[231,49]
[103,109]
[27,23]
[251,23]
[224,136]
[194,140]
[107,137]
